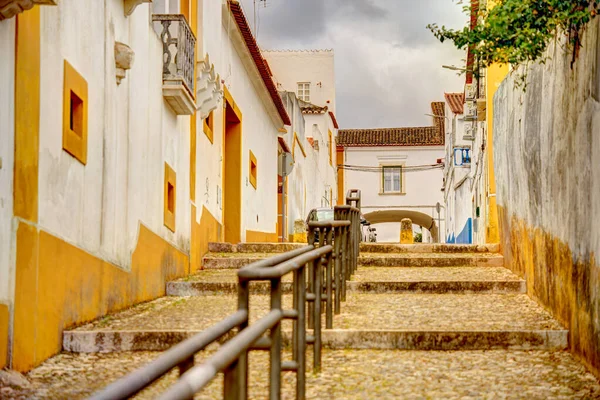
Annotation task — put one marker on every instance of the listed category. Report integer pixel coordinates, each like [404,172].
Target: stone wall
[547,162]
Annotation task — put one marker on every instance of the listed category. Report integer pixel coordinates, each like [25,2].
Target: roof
[410,136]
[456,102]
[335,124]
[310,108]
[261,65]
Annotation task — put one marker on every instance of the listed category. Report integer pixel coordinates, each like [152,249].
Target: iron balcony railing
[320,271]
[179,44]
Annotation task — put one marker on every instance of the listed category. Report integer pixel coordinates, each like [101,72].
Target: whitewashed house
[122,155]
[399,172]
[307,81]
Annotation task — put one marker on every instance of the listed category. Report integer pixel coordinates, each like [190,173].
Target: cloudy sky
[387,63]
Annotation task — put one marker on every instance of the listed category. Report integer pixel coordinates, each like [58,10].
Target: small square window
[392,179]
[304,91]
[208,126]
[75,108]
[170,197]
[253,170]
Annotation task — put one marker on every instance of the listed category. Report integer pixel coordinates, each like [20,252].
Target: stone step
[404,321]
[370,280]
[427,248]
[253,247]
[391,374]
[431,260]
[237,260]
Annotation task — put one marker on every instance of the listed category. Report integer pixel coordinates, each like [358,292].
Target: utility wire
[407,168]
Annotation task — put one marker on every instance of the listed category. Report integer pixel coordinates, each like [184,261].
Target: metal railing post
[235,385]
[317,273]
[300,286]
[310,277]
[328,282]
[275,335]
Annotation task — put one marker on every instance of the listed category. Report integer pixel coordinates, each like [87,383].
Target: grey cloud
[388,65]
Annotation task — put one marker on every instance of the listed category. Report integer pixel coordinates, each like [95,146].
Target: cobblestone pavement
[438,274]
[443,312]
[379,274]
[360,311]
[347,374]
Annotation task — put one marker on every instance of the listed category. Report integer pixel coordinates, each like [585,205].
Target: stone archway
[418,218]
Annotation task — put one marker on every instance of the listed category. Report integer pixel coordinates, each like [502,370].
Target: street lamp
[453,68]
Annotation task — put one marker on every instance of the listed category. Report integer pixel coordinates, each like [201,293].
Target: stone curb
[115,341]
[428,248]
[253,247]
[484,287]
[489,260]
[400,261]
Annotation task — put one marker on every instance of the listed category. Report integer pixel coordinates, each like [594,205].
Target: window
[304,91]
[75,108]
[170,198]
[208,126]
[253,170]
[392,179]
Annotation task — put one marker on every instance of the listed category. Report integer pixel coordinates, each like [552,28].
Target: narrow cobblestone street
[450,336]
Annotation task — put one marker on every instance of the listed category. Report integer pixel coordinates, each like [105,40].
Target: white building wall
[7,143]
[99,206]
[314,66]
[422,189]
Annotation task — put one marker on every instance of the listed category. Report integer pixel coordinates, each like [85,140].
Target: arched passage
[418,218]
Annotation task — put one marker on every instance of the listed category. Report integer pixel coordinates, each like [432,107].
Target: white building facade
[307,80]
[399,172]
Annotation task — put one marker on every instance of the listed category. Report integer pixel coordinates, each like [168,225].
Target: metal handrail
[320,274]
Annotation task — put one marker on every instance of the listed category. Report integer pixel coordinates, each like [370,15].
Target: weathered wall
[547,152]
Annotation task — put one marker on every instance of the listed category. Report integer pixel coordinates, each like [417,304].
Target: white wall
[7,132]
[421,188]
[259,132]
[132,132]
[314,66]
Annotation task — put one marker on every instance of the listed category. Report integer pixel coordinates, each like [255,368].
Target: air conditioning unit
[470,91]
[470,131]
[470,111]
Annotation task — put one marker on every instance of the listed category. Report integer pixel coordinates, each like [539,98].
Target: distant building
[307,81]
[398,172]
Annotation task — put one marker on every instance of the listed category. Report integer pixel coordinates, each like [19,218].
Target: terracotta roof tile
[310,108]
[311,141]
[261,65]
[417,136]
[456,102]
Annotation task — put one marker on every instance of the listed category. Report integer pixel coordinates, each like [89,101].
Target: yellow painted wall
[341,196]
[3,335]
[495,74]
[27,115]
[564,285]
[262,237]
[59,286]
[208,230]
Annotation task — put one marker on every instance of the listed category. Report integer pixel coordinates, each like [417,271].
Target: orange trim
[170,197]
[75,113]
[27,115]
[261,237]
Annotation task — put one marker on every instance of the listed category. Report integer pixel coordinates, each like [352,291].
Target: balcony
[179,44]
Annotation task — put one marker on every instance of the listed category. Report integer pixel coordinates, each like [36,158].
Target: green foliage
[518,31]
[418,237]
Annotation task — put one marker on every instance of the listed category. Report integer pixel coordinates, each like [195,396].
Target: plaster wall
[314,66]
[421,188]
[98,206]
[546,152]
